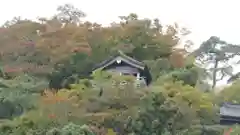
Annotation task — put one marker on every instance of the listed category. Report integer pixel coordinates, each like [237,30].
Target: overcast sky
[203,17]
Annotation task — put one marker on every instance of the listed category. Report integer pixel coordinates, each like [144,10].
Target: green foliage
[169,106]
[19,95]
[235,130]
[76,130]
[230,93]
[47,86]
[214,54]
[70,71]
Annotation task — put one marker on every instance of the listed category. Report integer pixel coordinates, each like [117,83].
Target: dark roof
[123,57]
[229,109]
[124,69]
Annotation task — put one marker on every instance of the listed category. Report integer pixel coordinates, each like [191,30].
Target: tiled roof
[124,58]
[229,109]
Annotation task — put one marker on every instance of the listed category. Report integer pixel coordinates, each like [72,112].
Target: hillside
[47,88]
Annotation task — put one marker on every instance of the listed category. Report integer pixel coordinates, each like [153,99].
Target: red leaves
[30,44]
[11,70]
[52,116]
[82,49]
[228,132]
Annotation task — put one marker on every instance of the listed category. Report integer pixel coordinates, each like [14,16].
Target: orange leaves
[60,107]
[50,101]
[59,44]
[51,97]
[83,48]
[177,60]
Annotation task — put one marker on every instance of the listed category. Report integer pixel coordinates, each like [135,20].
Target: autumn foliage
[47,86]
[177,59]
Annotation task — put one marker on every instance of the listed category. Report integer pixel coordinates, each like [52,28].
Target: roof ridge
[128,57]
[123,56]
[229,105]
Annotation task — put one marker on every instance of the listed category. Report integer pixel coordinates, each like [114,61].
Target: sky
[204,18]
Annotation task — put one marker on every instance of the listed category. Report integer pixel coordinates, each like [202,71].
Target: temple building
[125,65]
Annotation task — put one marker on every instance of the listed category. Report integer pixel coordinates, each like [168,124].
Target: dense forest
[47,87]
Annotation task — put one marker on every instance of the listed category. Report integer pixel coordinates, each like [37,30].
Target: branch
[234,77]
[232,55]
[222,76]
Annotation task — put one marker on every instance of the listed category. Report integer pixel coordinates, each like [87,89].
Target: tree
[214,56]
[70,70]
[69,14]
[230,93]
[67,55]
[15,20]
[132,35]
[148,36]
[19,95]
[19,49]
[167,107]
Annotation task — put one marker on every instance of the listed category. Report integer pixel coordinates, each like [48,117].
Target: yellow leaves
[184,94]
[206,106]
[230,93]
[110,132]
[51,97]
[100,75]
[63,93]
[189,60]
[97,117]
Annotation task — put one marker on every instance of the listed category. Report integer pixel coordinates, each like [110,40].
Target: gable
[120,59]
[128,60]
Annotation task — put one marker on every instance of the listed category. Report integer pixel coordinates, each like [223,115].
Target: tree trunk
[214,81]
